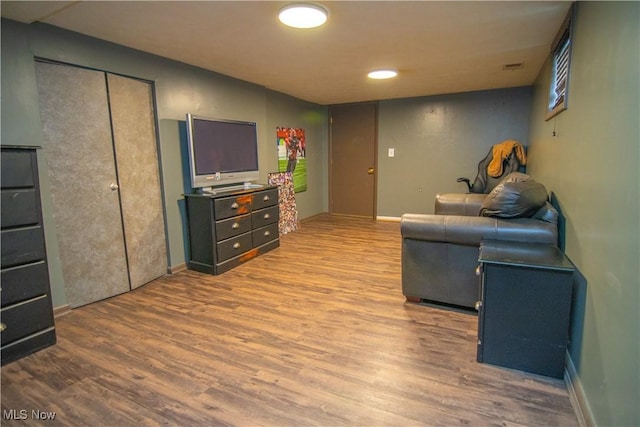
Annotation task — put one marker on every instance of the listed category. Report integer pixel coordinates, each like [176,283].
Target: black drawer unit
[27,313]
[265,234]
[231,227]
[264,199]
[234,226]
[233,247]
[524,307]
[264,217]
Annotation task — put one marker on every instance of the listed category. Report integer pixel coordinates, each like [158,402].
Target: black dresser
[232,227]
[27,313]
[524,307]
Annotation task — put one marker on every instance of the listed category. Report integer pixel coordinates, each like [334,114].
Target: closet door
[134,137]
[82,176]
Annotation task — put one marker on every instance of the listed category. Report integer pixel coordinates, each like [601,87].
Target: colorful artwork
[292,157]
[286,200]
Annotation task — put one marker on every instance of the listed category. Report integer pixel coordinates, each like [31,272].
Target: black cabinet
[230,228]
[524,307]
[27,313]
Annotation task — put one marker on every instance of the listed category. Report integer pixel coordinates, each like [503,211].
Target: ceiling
[438,47]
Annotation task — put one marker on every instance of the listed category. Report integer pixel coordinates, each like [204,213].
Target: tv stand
[231,226]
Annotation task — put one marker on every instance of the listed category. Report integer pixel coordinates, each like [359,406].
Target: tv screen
[222,151]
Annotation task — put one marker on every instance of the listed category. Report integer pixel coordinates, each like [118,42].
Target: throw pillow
[517,196]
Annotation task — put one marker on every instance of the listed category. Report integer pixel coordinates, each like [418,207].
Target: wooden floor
[315,333]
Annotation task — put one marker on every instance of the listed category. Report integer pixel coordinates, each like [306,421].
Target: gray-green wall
[438,139]
[179,89]
[592,165]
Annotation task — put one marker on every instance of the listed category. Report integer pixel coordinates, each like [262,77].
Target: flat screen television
[222,153]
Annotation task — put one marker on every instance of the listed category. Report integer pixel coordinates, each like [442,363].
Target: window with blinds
[560,69]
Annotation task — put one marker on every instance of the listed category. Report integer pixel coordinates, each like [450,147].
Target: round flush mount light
[303,15]
[382,74]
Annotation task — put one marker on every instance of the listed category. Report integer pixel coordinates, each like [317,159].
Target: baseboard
[309,218]
[577,396]
[177,268]
[378,218]
[388,218]
[61,310]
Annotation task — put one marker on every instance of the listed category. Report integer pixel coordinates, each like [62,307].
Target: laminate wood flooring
[314,333]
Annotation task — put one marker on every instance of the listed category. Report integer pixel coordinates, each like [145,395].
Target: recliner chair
[484,182]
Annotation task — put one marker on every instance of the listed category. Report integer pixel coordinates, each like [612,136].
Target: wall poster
[291,155]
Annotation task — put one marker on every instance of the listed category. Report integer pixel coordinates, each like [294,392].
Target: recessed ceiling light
[303,15]
[382,74]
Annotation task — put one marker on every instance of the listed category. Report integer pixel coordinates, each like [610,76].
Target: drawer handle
[265,198]
[236,245]
[267,233]
[235,205]
[478,305]
[267,216]
[3,327]
[235,225]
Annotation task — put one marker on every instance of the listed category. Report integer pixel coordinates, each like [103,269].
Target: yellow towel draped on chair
[500,153]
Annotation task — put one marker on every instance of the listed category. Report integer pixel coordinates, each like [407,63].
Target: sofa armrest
[471,230]
[459,204]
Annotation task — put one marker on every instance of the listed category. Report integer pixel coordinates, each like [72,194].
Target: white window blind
[560,73]
[561,59]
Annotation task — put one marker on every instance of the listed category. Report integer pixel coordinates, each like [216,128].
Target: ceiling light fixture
[382,74]
[303,15]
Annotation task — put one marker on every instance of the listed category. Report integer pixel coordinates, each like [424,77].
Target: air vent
[514,66]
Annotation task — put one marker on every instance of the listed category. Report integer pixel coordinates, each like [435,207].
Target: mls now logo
[23,414]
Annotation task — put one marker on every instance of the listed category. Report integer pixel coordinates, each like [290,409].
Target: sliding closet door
[134,138]
[82,175]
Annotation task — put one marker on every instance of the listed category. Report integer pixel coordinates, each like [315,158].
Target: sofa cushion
[459,204]
[517,196]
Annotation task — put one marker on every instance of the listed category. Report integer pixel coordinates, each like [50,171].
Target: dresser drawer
[265,216]
[265,198]
[19,207]
[24,282]
[234,246]
[226,207]
[26,318]
[17,168]
[22,246]
[265,234]
[233,226]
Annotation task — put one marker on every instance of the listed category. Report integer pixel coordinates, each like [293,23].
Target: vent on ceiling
[513,66]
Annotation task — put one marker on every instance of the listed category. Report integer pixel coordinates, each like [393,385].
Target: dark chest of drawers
[525,306]
[27,313]
[230,228]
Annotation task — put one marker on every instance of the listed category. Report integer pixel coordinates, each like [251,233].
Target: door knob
[370,171]
[113,186]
